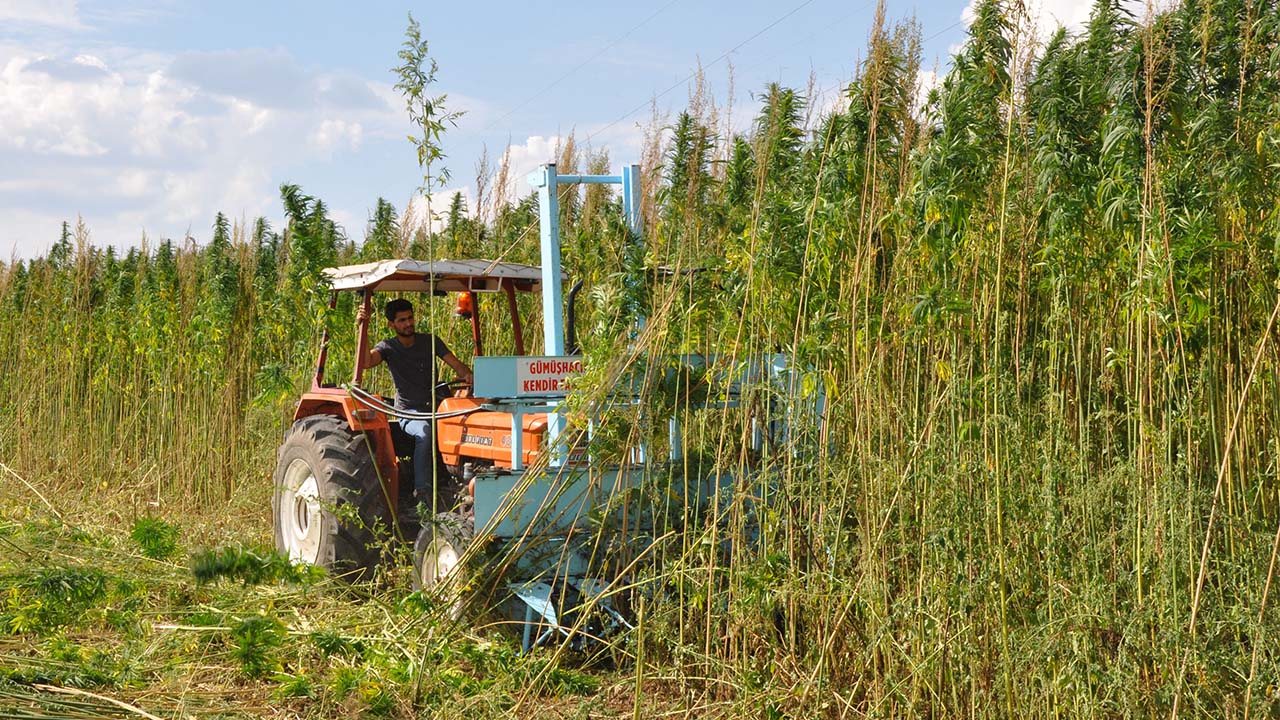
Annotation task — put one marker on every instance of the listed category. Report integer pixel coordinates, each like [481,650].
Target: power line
[579,66]
[943,30]
[723,55]
[827,27]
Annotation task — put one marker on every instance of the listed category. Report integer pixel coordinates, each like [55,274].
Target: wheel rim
[300,513]
[438,563]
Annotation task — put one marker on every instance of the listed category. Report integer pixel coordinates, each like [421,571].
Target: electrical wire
[579,66]
[694,74]
[561,193]
[943,30]
[686,79]
[807,39]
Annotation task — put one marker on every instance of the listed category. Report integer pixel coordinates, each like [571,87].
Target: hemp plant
[427,113]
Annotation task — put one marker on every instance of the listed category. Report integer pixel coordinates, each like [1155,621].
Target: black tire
[438,557]
[324,467]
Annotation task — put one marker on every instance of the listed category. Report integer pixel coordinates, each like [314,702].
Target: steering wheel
[451,387]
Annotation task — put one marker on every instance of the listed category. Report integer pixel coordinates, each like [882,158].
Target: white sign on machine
[543,376]
[525,377]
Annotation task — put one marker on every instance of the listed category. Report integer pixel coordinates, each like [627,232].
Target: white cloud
[337,134]
[415,215]
[155,123]
[82,68]
[134,148]
[926,81]
[135,182]
[828,100]
[268,78]
[1048,15]
[344,90]
[527,156]
[44,114]
[54,13]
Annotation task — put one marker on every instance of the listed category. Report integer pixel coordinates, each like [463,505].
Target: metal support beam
[517,439]
[547,182]
[362,335]
[631,212]
[589,179]
[631,198]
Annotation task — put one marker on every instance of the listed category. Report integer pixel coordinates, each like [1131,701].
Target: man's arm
[373,358]
[459,367]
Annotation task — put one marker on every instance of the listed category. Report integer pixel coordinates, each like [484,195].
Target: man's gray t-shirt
[413,369]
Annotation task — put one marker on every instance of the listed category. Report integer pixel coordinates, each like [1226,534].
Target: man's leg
[424,457]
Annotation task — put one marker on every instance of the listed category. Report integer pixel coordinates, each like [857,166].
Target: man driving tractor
[410,356]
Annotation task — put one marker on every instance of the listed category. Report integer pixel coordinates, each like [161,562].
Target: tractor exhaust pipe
[571,331]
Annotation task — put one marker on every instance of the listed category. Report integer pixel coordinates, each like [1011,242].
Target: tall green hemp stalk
[428,114]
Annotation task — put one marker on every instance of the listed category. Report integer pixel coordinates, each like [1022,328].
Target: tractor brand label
[545,376]
[477,440]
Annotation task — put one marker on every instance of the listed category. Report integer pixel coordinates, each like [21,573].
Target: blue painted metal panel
[495,376]
[509,505]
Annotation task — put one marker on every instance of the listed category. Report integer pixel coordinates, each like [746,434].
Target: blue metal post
[546,181]
[517,439]
[631,211]
[631,198]
[552,293]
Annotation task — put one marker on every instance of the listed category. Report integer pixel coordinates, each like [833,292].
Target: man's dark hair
[395,307]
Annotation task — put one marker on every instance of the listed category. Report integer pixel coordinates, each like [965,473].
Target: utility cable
[694,74]
[729,52]
[807,39]
[561,192]
[943,30]
[579,66]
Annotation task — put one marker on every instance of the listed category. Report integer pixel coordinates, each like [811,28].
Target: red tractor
[343,471]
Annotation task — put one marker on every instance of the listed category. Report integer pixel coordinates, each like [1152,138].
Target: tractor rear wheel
[328,500]
[438,555]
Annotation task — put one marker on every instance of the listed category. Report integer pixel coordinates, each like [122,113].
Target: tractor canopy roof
[446,275]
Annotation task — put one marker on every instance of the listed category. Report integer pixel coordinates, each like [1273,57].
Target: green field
[1042,303]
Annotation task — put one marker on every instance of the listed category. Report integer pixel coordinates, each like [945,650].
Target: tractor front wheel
[328,501]
[438,556]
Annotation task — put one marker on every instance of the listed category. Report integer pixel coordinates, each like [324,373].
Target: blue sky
[150,116]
